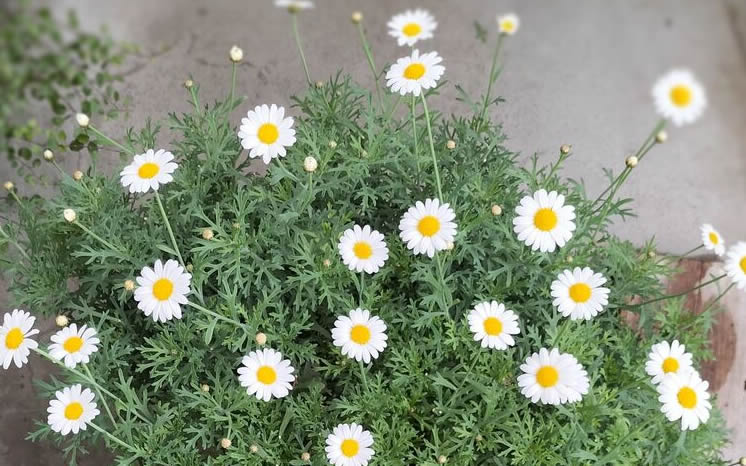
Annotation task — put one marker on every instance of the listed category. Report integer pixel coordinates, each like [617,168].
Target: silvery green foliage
[434,391]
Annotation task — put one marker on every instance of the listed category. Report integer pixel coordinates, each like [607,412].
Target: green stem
[110,140]
[215,314]
[233,84]
[98,392]
[561,332]
[709,306]
[300,47]
[14,243]
[371,62]
[98,238]
[168,226]
[414,135]
[432,149]
[362,288]
[492,79]
[193,93]
[680,294]
[115,439]
[364,377]
[89,380]
[675,258]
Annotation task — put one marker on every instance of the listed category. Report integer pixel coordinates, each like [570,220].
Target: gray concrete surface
[578,72]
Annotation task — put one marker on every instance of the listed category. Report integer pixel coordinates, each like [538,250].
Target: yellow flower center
[580,292]
[148,170]
[360,334]
[492,326]
[508,25]
[266,375]
[362,250]
[411,29]
[268,133]
[743,264]
[73,411]
[73,344]
[350,447]
[414,71]
[162,289]
[681,95]
[670,365]
[547,376]
[428,225]
[14,338]
[687,397]
[545,219]
[714,238]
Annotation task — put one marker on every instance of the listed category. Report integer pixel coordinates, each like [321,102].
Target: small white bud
[565,149]
[48,155]
[129,285]
[83,120]
[479,438]
[310,164]
[357,17]
[253,448]
[631,161]
[260,338]
[77,175]
[70,215]
[333,144]
[327,263]
[208,234]
[305,456]
[451,144]
[742,461]
[61,320]
[497,210]
[205,388]
[319,84]
[236,54]
[225,443]
[660,138]
[450,246]
[9,185]
[188,83]
[442,459]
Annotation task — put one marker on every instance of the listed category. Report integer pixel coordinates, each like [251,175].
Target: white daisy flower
[349,445]
[578,294]
[553,377]
[412,26]
[508,24]
[735,264]
[148,171]
[14,335]
[74,345]
[71,410]
[162,290]
[363,249]
[712,240]
[428,227]
[265,132]
[665,358]
[684,396]
[410,75]
[266,375]
[296,4]
[679,97]
[360,336]
[493,325]
[544,222]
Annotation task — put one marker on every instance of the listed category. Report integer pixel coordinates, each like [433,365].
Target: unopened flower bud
[207,234]
[333,144]
[631,161]
[570,259]
[9,185]
[742,461]
[319,84]
[305,456]
[83,120]
[451,144]
[236,54]
[77,175]
[660,138]
[442,459]
[310,164]
[225,443]
[497,210]
[129,285]
[253,448]
[327,263]
[48,155]
[70,215]
[450,246]
[188,83]
[61,320]
[357,17]
[260,338]
[479,438]
[190,267]
[651,254]
[565,149]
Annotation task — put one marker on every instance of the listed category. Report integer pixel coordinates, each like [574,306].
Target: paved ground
[578,72]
